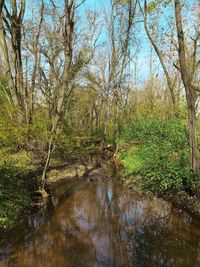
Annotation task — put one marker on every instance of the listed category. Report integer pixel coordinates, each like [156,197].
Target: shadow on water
[88,224]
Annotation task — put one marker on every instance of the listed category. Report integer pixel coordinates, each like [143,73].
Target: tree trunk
[190,94]
[160,56]
[6,64]
[192,135]
[68,34]
[1,5]
[116,114]
[13,20]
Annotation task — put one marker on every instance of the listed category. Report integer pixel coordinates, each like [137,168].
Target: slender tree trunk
[15,30]
[160,56]
[116,114]
[1,6]
[192,135]
[68,34]
[30,92]
[190,94]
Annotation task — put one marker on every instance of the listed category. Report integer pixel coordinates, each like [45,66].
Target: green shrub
[14,195]
[163,154]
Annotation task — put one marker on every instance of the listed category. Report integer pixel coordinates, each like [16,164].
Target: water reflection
[104,224]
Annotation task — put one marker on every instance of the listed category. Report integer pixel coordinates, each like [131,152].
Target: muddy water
[90,224]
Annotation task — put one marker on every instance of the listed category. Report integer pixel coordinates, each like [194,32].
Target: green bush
[163,154]
[14,195]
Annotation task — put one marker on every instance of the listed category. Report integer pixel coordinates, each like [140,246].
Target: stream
[94,223]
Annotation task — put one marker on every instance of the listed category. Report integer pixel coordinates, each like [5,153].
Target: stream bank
[189,202]
[20,180]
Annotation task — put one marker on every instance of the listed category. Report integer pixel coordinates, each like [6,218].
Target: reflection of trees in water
[153,233]
[107,225]
[158,245]
[159,237]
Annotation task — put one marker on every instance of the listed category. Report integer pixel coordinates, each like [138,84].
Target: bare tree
[1,5]
[33,47]
[68,36]
[13,24]
[120,35]
[159,54]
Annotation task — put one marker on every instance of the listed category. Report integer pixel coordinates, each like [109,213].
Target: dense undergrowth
[14,196]
[158,152]
[15,184]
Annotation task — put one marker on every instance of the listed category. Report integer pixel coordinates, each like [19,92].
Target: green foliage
[160,153]
[131,159]
[16,136]
[196,204]
[152,6]
[14,196]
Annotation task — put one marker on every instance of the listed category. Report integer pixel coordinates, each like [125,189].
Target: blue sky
[143,56]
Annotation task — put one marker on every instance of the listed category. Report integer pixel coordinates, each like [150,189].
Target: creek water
[103,224]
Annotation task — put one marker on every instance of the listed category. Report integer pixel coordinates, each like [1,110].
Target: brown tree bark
[1,6]
[190,93]
[6,68]
[13,22]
